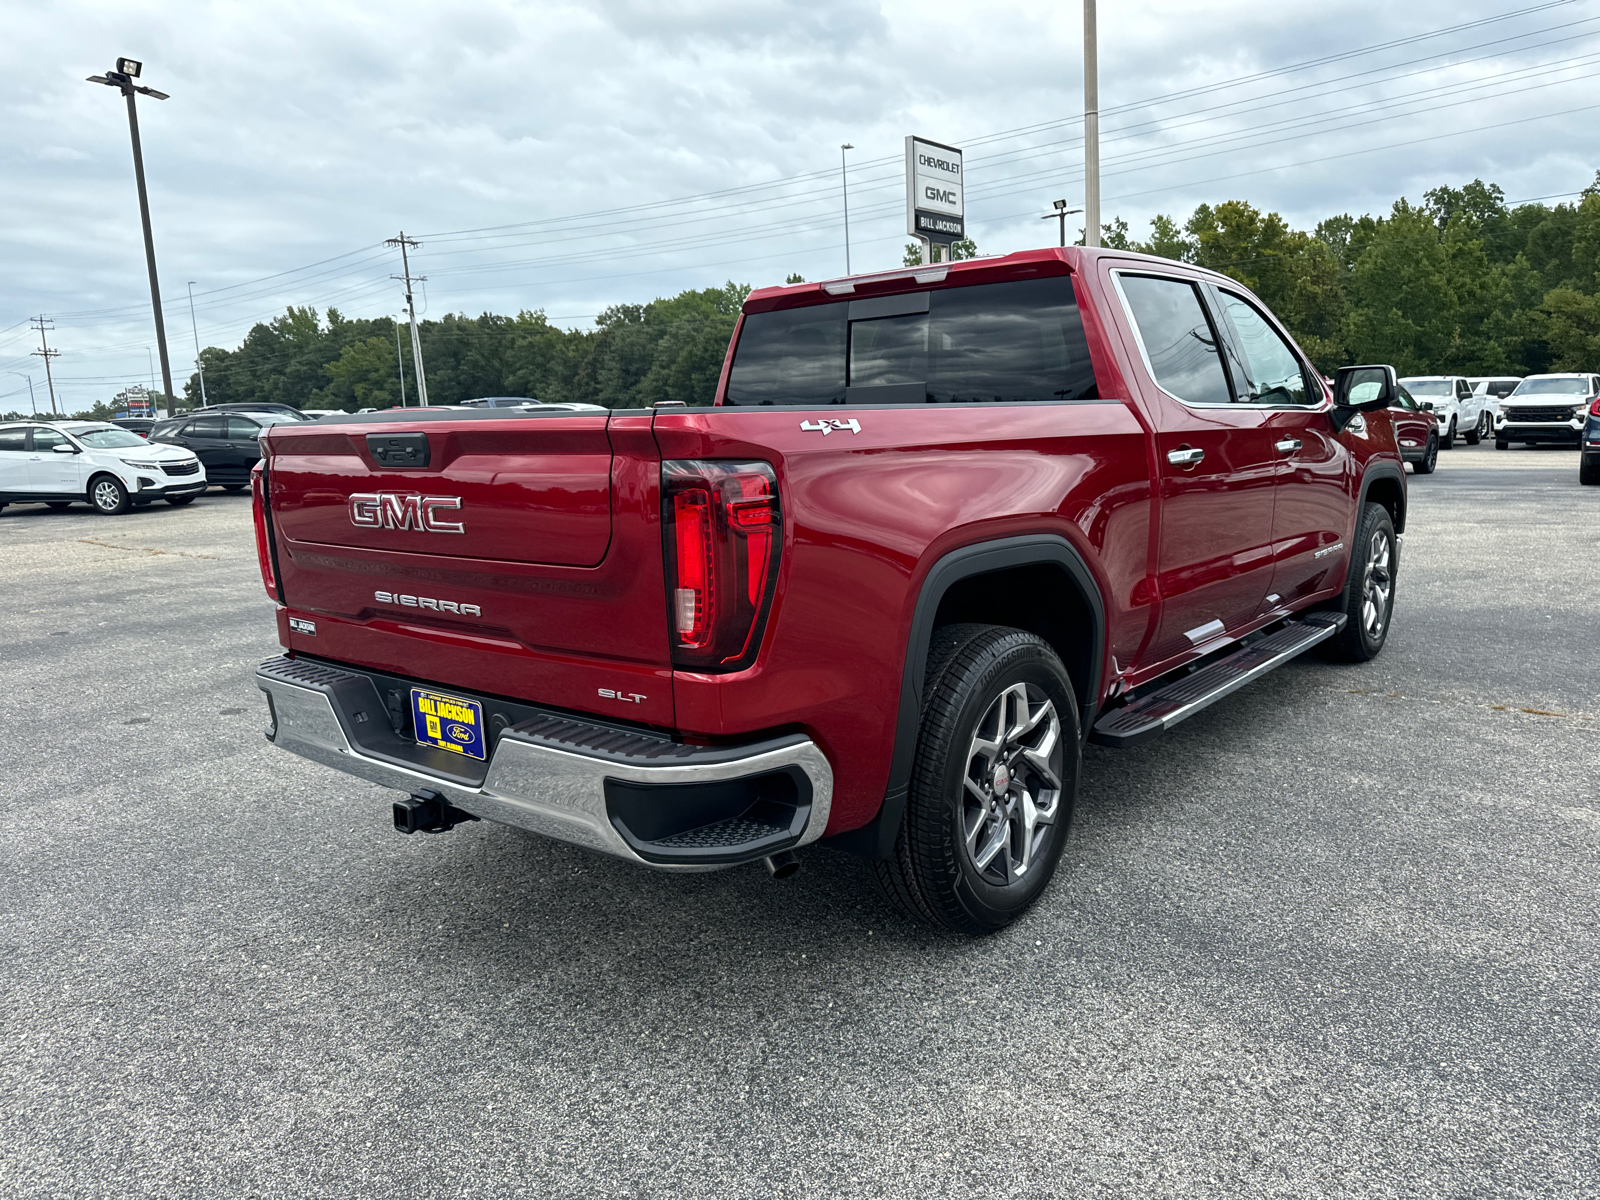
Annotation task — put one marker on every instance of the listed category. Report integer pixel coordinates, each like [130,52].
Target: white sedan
[110,469]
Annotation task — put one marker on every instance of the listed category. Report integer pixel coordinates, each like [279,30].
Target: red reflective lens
[723,540]
[1594,409]
[258,510]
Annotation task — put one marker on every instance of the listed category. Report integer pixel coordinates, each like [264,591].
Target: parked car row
[110,468]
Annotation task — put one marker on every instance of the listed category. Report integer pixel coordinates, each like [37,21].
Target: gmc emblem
[392,510]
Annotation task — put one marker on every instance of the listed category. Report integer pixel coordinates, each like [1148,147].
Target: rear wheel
[1368,600]
[993,782]
[1589,468]
[1429,459]
[108,496]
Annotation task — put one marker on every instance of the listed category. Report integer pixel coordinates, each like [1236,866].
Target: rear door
[244,445]
[14,459]
[1218,463]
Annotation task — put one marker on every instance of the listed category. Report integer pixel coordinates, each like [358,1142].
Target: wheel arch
[1054,595]
[1385,484]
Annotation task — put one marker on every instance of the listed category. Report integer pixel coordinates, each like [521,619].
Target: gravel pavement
[1335,936]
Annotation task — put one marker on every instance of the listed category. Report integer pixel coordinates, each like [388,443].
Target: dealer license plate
[448,722]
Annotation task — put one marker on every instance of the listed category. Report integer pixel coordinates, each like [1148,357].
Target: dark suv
[225,442]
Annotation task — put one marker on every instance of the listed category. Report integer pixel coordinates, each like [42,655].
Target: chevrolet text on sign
[935,185]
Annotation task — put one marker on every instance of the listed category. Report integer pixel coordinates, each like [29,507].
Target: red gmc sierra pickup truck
[940,527]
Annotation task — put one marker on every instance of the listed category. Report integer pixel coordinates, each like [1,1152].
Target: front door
[1314,511]
[1217,465]
[53,472]
[207,436]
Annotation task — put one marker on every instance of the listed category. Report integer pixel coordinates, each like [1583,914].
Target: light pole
[127,71]
[198,365]
[1061,213]
[1091,129]
[29,378]
[844,187]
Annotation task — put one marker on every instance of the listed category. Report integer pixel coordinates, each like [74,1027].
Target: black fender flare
[876,838]
[1384,469]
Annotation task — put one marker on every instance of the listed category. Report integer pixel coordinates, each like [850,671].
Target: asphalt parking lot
[1336,936]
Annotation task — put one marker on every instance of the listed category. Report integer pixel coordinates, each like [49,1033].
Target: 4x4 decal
[828,424]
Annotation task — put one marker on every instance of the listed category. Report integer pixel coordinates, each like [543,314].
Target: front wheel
[1589,468]
[992,784]
[108,496]
[234,487]
[1429,459]
[1368,600]
[1449,439]
[1475,434]
[1501,444]
[179,501]
[58,505]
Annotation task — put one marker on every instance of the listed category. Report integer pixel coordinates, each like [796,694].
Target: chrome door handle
[1287,446]
[1185,457]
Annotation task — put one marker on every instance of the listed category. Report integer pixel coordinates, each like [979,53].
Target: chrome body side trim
[557,793]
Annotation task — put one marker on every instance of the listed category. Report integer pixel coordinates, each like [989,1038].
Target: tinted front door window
[1178,338]
[1276,376]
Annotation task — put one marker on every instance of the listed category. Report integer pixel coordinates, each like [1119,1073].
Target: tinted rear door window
[988,343]
[205,427]
[1179,342]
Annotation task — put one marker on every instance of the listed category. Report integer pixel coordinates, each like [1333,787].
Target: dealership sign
[935,205]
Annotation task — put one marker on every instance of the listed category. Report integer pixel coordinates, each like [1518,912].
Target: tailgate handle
[399,449]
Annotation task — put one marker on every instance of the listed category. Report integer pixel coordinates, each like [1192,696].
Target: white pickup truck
[1454,404]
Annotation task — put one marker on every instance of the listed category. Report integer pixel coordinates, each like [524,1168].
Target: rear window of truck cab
[986,343]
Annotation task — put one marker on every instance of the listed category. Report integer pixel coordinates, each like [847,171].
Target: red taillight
[724,533]
[258,508]
[1594,409]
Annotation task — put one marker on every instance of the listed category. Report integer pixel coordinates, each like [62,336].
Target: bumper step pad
[1160,710]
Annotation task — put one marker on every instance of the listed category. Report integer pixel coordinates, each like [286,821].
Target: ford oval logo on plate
[448,722]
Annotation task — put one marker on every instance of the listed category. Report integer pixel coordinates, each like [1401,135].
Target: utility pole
[198,365]
[42,323]
[127,71]
[844,186]
[411,308]
[1091,129]
[400,364]
[1060,214]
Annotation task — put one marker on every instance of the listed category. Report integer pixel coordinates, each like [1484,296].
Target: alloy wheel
[1012,788]
[107,496]
[1377,586]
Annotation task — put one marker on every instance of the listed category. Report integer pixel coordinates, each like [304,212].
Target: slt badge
[828,424]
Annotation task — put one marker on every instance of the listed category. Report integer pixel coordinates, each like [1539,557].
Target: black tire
[1589,469]
[1501,444]
[1448,441]
[1429,459]
[180,501]
[58,505]
[108,497]
[234,487]
[1371,577]
[977,676]
[1475,434]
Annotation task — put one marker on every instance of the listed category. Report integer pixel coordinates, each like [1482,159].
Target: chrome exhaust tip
[782,864]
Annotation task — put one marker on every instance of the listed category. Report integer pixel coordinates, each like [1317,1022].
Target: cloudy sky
[567,157]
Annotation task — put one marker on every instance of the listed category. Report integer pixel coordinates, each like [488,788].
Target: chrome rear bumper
[633,795]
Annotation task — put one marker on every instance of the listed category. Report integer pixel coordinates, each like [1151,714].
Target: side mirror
[65,449]
[1362,389]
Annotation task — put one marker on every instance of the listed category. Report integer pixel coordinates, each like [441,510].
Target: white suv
[1546,409]
[1454,404]
[111,469]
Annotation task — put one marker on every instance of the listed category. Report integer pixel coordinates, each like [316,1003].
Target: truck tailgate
[516,555]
